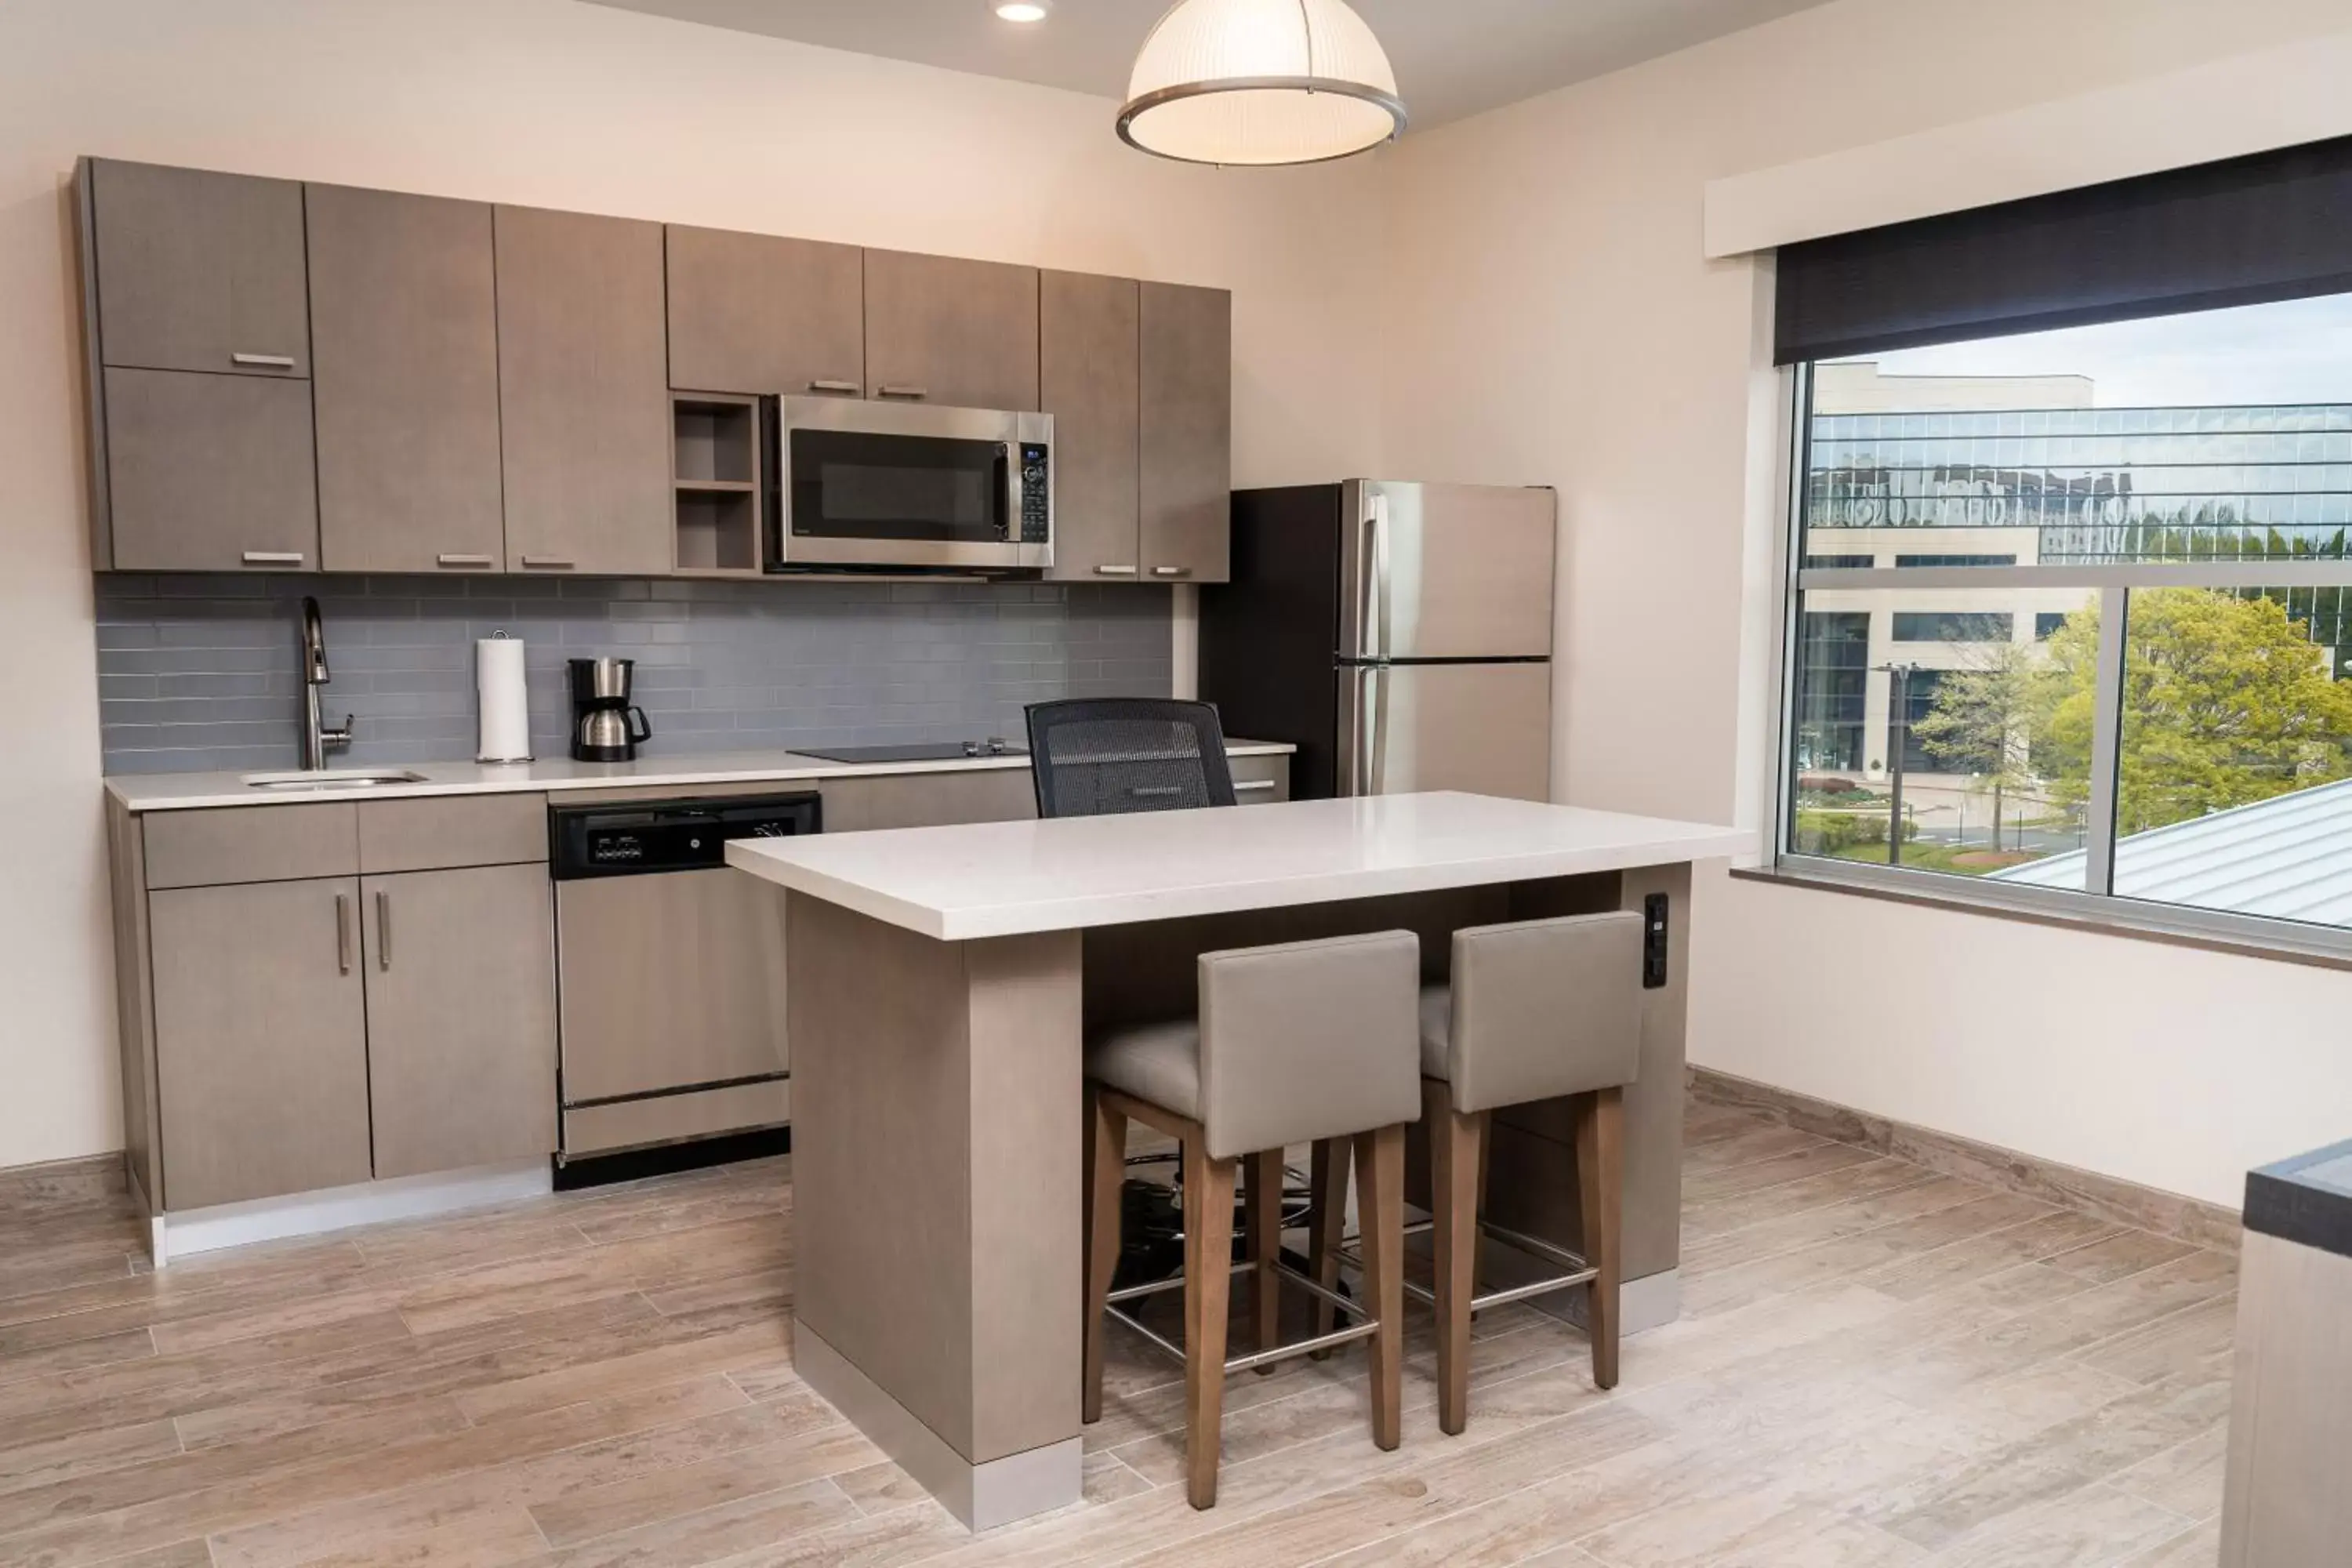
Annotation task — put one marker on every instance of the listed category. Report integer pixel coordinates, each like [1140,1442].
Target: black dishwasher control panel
[650,835]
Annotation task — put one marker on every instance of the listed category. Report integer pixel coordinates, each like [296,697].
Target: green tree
[2226,701]
[1985,716]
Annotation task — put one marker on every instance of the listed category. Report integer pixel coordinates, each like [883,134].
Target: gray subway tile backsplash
[200,672]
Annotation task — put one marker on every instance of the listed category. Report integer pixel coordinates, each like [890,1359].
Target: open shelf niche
[715,466]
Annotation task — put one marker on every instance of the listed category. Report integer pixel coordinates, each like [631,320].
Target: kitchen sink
[329,778]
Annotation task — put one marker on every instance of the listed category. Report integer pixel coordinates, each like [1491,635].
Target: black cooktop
[919,752]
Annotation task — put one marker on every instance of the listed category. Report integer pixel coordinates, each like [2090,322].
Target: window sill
[2100,916]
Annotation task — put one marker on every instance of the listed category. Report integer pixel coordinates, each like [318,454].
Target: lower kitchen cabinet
[261,1040]
[461,971]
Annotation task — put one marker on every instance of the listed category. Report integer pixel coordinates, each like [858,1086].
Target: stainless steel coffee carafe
[606,727]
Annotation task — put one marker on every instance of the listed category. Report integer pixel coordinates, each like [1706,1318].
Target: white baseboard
[186,1232]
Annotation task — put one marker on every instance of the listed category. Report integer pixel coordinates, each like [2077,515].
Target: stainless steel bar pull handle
[344,933]
[886,390]
[547,563]
[450,558]
[1240,785]
[383,929]
[272,558]
[265,362]
[1172,571]
[1114,571]
[844,388]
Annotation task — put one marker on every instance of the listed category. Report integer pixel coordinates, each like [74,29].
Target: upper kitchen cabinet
[940,330]
[1186,423]
[196,270]
[403,308]
[583,393]
[207,473]
[1088,377]
[755,313]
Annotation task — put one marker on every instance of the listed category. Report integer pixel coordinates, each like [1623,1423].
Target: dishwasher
[669,981]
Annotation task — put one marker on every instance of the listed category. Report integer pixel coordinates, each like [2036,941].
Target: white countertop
[1003,879]
[181,792]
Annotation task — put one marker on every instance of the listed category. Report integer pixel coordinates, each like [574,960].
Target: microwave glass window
[852,485]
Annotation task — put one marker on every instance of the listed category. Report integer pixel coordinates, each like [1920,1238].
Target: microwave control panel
[1036,516]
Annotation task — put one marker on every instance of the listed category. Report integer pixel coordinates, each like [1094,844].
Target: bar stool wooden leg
[1105,1157]
[1264,1231]
[1326,1219]
[1456,1143]
[1208,1282]
[1379,1212]
[1600,1178]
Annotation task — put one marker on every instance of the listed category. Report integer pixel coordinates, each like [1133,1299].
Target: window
[2166,502]
[1951,626]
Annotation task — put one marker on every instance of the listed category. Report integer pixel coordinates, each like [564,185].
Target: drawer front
[251,844]
[1257,780]
[633,1123]
[446,833]
[929,800]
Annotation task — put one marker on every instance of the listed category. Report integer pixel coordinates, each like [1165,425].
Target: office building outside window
[2074,612]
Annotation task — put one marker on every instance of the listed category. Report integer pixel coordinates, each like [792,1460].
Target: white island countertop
[186,792]
[1006,878]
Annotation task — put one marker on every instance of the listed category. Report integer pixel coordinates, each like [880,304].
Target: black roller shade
[2272,226]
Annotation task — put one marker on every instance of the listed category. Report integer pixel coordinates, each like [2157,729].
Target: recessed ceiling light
[1021,10]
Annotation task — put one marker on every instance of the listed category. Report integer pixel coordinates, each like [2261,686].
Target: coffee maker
[605,726]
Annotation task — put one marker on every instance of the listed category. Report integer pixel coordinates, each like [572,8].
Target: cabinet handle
[449,559]
[384,929]
[272,558]
[344,933]
[1172,571]
[547,564]
[1239,785]
[1114,571]
[886,390]
[845,388]
[265,362]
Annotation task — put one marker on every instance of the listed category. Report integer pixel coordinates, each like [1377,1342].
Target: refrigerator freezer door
[1483,728]
[1444,571]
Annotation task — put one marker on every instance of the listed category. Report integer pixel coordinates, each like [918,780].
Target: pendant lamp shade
[1259,82]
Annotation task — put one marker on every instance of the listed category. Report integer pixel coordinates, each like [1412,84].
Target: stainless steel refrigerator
[1399,635]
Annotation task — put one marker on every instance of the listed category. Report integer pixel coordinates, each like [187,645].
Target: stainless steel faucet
[315,738]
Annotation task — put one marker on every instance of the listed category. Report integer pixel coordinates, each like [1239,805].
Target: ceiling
[1452,58]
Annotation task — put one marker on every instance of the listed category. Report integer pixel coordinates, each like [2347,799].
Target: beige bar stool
[1294,1044]
[1537,1010]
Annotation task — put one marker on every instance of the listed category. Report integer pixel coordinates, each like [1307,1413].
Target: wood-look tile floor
[1877,1366]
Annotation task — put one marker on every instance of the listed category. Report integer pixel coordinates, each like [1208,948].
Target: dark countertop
[2306,1200]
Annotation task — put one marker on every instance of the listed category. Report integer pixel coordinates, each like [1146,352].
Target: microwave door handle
[1011,471]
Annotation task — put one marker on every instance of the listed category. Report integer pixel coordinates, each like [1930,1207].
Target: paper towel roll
[505,701]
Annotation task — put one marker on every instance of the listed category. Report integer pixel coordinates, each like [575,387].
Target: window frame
[2096,906]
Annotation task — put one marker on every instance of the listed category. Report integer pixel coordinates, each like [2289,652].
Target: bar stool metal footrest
[1367,1325]
[1579,1271]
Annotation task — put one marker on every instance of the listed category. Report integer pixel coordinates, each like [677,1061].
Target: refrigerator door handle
[1378,728]
[1379,526]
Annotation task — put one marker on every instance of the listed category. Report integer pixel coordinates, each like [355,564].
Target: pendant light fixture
[1260,82]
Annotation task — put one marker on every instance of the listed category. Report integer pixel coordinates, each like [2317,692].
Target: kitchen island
[940,983]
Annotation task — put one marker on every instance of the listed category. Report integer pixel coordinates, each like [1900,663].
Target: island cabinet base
[936,1171]
[936,1156]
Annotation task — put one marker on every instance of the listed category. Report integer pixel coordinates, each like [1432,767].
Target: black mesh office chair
[1096,756]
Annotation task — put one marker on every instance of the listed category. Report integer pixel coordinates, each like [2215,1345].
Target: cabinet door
[260,1039]
[583,393]
[1188,431]
[755,313]
[404,311]
[198,270]
[940,330]
[1087,376]
[210,473]
[461,1017]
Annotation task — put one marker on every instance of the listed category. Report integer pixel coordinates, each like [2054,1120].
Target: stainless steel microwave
[900,485]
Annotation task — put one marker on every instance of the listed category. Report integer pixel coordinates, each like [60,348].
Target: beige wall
[1551,318]
[573,106]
